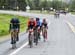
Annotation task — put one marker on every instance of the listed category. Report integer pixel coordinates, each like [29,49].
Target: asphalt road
[61,38]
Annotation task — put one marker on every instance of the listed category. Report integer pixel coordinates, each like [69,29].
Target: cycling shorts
[15,29]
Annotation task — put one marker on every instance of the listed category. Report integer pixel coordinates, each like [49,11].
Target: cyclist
[56,14]
[44,23]
[38,26]
[31,25]
[14,26]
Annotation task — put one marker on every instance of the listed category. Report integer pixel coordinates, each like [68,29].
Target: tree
[34,4]
[22,4]
[43,4]
[72,6]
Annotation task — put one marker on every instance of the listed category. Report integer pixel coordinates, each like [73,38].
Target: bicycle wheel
[17,37]
[37,37]
[36,40]
[14,46]
[30,40]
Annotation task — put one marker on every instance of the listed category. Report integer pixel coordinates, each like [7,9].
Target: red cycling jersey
[31,24]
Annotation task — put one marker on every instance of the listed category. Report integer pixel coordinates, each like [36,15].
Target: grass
[73,13]
[39,12]
[5,20]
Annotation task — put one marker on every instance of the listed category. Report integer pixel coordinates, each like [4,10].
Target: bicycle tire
[30,40]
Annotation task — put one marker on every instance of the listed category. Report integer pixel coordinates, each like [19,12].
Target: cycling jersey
[37,23]
[40,22]
[31,24]
[14,23]
[45,24]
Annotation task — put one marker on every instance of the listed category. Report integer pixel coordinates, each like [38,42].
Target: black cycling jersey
[14,23]
[45,24]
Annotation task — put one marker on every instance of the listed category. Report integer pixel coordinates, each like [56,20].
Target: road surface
[61,39]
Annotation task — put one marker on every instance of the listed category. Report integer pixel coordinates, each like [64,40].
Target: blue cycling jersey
[38,23]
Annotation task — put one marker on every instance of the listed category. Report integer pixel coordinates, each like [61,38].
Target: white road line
[13,53]
[71,26]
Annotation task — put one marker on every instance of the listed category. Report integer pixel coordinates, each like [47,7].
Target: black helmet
[37,19]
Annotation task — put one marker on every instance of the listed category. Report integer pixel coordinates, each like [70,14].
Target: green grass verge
[73,13]
[39,12]
[5,20]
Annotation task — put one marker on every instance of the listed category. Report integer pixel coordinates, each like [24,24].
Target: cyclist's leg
[12,35]
[39,36]
[43,32]
[46,33]
[17,33]
[39,33]
[17,38]
[14,39]
[34,36]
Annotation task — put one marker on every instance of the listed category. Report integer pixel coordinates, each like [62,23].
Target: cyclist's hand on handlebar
[47,27]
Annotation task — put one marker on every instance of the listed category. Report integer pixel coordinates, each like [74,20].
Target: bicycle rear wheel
[14,46]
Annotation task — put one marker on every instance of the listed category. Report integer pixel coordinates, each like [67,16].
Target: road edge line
[71,26]
[17,50]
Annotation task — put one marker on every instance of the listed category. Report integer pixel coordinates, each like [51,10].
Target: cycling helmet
[31,19]
[44,20]
[37,19]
